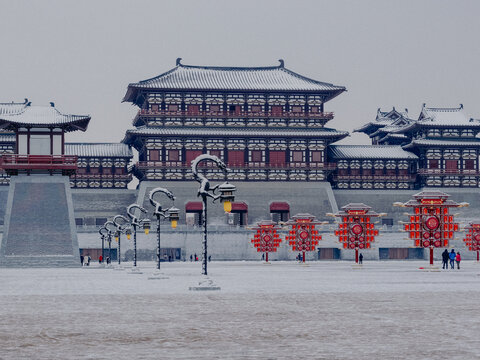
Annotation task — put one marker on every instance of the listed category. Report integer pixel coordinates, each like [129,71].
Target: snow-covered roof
[443,142]
[271,78]
[43,116]
[393,136]
[98,150]
[369,152]
[12,108]
[385,119]
[235,132]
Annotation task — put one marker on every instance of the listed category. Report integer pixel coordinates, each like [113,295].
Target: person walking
[191,257]
[445,258]
[100,259]
[458,258]
[452,256]
[360,258]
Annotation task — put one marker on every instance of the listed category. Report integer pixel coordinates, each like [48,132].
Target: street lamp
[226,195]
[109,238]
[171,213]
[122,224]
[136,222]
[103,234]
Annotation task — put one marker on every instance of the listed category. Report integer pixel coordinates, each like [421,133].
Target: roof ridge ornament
[26,101]
[52,104]
[178,61]
[282,63]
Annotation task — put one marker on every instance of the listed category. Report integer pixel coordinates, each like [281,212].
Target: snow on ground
[327,310]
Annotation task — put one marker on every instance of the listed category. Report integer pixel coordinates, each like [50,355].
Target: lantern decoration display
[302,236]
[356,230]
[266,239]
[431,225]
[472,238]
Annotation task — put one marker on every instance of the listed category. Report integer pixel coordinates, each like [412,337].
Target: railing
[245,166]
[448,172]
[38,162]
[375,177]
[227,114]
[112,177]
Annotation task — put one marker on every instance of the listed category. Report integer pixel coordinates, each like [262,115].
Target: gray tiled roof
[369,152]
[11,108]
[187,77]
[235,132]
[44,116]
[98,150]
[473,142]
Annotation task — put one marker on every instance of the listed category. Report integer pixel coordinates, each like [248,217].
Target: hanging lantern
[226,195]
[174,216]
[146,226]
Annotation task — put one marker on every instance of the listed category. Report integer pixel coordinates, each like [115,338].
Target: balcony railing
[227,114]
[409,178]
[142,165]
[450,172]
[15,162]
[111,177]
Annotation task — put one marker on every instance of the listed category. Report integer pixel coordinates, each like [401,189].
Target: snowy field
[327,310]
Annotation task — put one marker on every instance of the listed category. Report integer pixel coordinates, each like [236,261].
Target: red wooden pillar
[356,254]
[431,255]
[266,256]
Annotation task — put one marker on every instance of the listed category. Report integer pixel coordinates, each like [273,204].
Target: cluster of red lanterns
[303,237]
[472,238]
[356,230]
[431,225]
[266,239]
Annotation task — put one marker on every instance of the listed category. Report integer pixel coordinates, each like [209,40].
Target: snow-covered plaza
[324,310]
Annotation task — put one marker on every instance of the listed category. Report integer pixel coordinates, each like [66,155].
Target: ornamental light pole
[123,225]
[356,231]
[171,213]
[205,191]
[472,238]
[103,234]
[136,222]
[431,225]
[266,238]
[109,237]
[303,236]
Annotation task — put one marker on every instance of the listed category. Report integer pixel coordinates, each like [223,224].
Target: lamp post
[171,213]
[136,222]
[205,191]
[103,233]
[122,224]
[110,232]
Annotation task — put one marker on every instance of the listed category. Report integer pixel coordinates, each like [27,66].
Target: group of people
[451,257]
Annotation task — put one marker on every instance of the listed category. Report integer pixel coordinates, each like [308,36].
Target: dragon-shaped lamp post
[109,237]
[103,231]
[123,225]
[171,213]
[205,191]
[136,222]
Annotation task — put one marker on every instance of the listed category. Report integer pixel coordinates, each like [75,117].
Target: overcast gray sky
[83,54]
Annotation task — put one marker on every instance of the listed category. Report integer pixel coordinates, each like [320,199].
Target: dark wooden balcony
[228,114]
[102,177]
[145,165]
[12,164]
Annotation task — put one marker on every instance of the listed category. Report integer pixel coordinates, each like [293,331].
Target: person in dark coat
[191,257]
[360,258]
[445,258]
[452,257]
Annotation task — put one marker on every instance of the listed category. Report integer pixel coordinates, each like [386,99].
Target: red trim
[194,206]
[279,206]
[239,206]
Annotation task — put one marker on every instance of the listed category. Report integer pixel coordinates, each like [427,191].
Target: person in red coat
[458,258]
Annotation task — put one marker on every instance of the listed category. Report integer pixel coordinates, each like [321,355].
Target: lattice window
[367,164]
[467,133]
[434,133]
[343,164]
[355,164]
[390,164]
[451,154]
[434,154]
[469,154]
[378,164]
[450,133]
[236,144]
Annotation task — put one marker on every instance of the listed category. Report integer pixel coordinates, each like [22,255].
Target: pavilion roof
[43,116]
[270,78]
[12,107]
[98,150]
[369,152]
